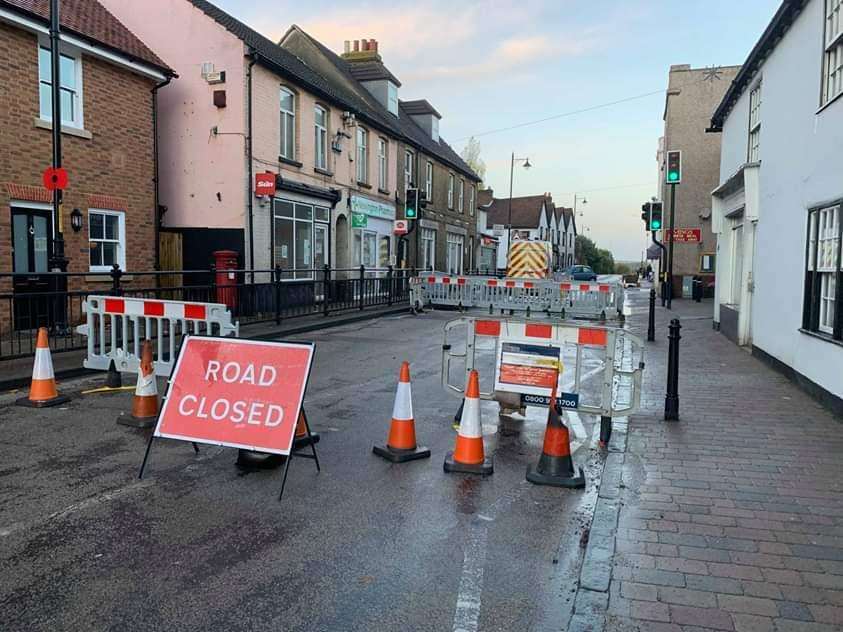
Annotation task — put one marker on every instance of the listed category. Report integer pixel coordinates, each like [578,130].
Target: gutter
[155,180]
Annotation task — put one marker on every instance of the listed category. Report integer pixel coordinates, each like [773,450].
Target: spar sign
[237,393]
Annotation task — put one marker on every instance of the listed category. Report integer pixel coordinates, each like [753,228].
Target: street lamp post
[584,202]
[527,165]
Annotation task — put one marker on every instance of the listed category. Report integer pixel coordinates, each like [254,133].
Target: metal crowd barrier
[569,299]
[600,368]
[116,328]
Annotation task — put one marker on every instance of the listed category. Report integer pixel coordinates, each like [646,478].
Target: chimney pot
[364,44]
[347,46]
[375,45]
[356,46]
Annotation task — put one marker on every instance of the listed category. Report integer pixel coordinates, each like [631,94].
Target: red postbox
[226,264]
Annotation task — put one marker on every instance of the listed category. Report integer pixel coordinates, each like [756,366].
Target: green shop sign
[366,207]
[358,220]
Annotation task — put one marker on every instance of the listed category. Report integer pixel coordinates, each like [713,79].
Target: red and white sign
[685,235]
[236,393]
[264,184]
[55,178]
[400,227]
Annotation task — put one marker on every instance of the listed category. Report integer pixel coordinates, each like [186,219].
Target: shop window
[301,244]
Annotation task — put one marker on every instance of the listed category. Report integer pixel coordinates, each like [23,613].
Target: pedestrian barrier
[569,299]
[42,391]
[468,456]
[401,444]
[530,357]
[116,326]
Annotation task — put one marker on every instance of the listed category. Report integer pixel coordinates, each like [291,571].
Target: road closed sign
[236,393]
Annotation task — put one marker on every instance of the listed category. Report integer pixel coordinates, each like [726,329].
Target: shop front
[372,224]
[301,238]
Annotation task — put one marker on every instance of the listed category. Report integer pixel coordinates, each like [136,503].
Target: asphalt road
[364,545]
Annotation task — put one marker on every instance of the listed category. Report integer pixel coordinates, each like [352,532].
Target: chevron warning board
[528,260]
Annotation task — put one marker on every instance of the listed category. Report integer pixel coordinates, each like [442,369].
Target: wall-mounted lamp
[76,220]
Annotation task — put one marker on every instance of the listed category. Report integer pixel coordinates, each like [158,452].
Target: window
[754,124]
[320,125]
[288,124]
[707,262]
[737,263]
[362,155]
[451,190]
[301,238]
[392,98]
[454,258]
[471,201]
[461,196]
[382,157]
[428,249]
[70,69]
[428,182]
[107,237]
[833,57]
[408,170]
[823,272]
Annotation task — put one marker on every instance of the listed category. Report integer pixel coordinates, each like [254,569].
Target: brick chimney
[361,50]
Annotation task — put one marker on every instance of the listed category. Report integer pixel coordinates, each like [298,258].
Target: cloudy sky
[488,65]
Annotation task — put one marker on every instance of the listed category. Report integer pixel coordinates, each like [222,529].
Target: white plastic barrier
[117,326]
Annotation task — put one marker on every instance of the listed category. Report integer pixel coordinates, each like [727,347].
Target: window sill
[384,191]
[323,172]
[821,336]
[70,131]
[287,161]
[364,185]
[826,105]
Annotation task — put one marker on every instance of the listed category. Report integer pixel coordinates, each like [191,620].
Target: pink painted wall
[202,176]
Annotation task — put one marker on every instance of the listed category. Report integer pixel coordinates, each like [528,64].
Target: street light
[527,165]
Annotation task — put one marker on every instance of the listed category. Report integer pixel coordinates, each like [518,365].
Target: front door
[31,241]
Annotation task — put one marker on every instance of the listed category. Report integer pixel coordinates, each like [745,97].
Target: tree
[471,155]
[598,259]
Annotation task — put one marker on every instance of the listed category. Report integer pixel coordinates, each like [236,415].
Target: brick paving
[731,518]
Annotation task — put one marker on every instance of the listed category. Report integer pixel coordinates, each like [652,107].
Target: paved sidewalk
[731,518]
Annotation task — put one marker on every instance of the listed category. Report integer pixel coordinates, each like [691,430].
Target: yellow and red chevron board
[528,260]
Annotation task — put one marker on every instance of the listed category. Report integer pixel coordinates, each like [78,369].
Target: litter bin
[226,279]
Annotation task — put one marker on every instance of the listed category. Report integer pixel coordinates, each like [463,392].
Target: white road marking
[467,614]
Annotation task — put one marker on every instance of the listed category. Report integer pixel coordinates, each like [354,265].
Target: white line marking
[467,614]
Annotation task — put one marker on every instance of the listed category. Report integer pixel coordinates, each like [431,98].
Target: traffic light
[655,216]
[411,204]
[674,167]
[645,214]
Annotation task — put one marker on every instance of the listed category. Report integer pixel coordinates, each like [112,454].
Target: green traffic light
[672,176]
[655,225]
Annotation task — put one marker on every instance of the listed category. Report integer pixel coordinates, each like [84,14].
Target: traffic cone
[42,391]
[145,401]
[301,438]
[401,443]
[468,455]
[555,465]
[113,379]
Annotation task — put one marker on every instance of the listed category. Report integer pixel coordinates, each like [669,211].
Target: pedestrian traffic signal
[674,167]
[411,204]
[655,216]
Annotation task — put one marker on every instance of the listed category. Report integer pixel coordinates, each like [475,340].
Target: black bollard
[651,320]
[605,431]
[671,399]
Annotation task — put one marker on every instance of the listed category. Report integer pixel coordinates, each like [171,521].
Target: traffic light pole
[663,257]
[670,251]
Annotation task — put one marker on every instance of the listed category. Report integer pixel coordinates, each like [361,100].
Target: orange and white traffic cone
[145,401]
[555,466]
[302,438]
[401,443]
[42,391]
[468,455]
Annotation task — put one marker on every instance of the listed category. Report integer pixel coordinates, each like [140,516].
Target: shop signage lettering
[685,235]
[372,208]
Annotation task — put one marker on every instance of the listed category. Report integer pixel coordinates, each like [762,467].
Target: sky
[488,65]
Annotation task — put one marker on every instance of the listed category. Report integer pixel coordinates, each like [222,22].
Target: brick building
[108,86]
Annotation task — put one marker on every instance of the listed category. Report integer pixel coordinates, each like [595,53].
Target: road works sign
[526,367]
[236,393]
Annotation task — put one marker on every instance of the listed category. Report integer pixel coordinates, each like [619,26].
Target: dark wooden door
[31,243]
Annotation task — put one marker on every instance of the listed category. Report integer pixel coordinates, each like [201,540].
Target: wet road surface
[364,545]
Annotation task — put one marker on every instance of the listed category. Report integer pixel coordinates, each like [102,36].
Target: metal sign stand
[295,452]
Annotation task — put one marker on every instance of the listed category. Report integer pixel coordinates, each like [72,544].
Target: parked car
[581,273]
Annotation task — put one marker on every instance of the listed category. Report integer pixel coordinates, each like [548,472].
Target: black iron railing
[55,300]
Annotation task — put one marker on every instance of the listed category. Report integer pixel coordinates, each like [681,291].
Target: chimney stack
[356,46]
[373,45]
[365,49]
[347,47]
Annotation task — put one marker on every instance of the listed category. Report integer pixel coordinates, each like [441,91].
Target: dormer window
[434,128]
[392,98]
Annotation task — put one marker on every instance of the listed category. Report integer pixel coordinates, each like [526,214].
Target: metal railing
[252,296]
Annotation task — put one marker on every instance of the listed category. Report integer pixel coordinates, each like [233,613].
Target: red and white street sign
[400,227]
[685,235]
[55,178]
[264,184]
[237,393]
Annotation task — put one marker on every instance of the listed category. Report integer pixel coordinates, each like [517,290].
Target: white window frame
[383,164]
[456,244]
[362,155]
[320,138]
[428,181]
[284,116]
[754,140]
[392,98]
[832,80]
[451,184]
[824,248]
[428,248]
[461,197]
[120,258]
[408,170]
[472,204]
[77,99]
